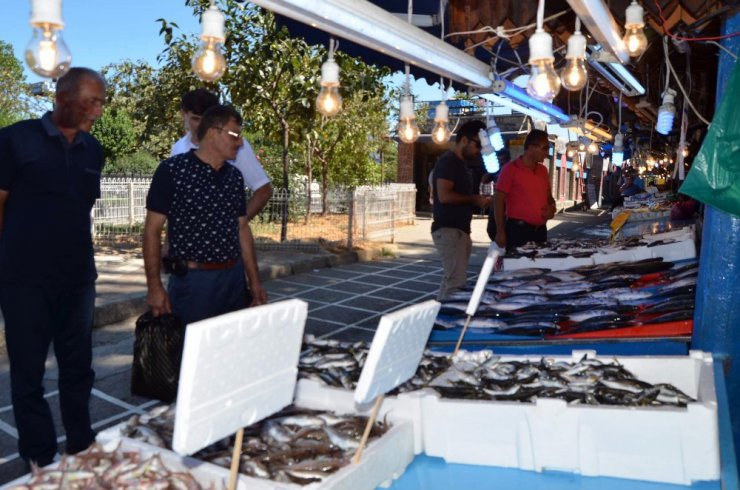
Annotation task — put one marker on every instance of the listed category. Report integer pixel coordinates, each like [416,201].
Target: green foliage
[115,131]
[139,163]
[14,91]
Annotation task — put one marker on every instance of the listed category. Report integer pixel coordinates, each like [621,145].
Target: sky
[100,32]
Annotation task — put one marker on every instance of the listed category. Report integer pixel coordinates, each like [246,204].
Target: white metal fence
[343,218]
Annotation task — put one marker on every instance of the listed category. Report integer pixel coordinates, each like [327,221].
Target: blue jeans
[36,316]
[202,294]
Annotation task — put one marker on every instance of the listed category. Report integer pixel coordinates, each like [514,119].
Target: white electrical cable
[499,31]
[675,77]
[540,14]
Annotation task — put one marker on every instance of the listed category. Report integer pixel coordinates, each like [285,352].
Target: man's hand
[501,238]
[549,211]
[483,201]
[259,295]
[158,300]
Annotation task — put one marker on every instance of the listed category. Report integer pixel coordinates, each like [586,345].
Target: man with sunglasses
[202,198]
[454,202]
[523,201]
[192,106]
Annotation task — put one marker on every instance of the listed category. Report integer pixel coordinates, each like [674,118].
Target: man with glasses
[523,201]
[202,198]
[192,106]
[454,202]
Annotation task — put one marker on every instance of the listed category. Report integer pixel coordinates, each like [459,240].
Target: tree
[116,133]
[14,91]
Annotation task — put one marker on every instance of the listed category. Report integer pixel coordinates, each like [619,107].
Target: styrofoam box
[554,264]
[406,406]
[632,254]
[663,444]
[383,460]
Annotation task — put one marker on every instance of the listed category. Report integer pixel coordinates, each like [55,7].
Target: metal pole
[350,227]
[717,312]
[131,203]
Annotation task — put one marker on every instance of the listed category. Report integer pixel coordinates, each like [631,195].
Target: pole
[236,457]
[368,427]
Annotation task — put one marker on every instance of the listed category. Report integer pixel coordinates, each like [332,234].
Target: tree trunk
[286,166]
[324,187]
[309,175]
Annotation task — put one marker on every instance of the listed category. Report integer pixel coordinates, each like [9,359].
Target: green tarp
[714,177]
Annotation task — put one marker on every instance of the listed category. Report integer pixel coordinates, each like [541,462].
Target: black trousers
[520,232]
[35,317]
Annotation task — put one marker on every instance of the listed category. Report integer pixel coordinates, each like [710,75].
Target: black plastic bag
[157,356]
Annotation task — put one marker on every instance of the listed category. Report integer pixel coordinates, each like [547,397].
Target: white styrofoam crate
[681,250]
[396,350]
[207,475]
[554,263]
[406,406]
[663,444]
[383,460]
[631,254]
[237,368]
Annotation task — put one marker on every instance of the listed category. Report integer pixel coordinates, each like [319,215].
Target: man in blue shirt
[202,198]
[49,180]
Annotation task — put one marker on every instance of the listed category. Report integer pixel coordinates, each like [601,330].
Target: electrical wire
[681,38]
[678,82]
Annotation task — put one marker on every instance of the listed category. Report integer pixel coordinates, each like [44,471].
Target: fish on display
[295,445]
[312,364]
[97,468]
[598,297]
[588,381]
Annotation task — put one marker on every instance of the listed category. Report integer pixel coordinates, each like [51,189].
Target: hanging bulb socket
[329,102]
[408,130]
[574,75]
[441,131]
[46,53]
[666,113]
[544,83]
[634,37]
[208,62]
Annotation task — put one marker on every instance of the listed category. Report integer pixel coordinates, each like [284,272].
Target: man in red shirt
[523,201]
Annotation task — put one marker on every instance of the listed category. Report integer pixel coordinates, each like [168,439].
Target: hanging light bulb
[408,130]
[441,132]
[634,39]
[618,150]
[208,62]
[574,74]
[46,53]
[329,102]
[544,83]
[685,151]
[593,148]
[494,135]
[571,152]
[666,113]
[491,163]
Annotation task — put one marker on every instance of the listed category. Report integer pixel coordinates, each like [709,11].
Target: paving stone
[398,294]
[373,304]
[353,334]
[421,286]
[340,315]
[326,295]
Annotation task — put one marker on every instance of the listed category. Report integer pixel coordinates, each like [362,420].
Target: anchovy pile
[588,381]
[117,469]
[339,364]
[296,445]
[561,248]
[538,302]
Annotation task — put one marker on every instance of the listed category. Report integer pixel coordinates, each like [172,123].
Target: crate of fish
[123,464]
[296,448]
[646,418]
[328,371]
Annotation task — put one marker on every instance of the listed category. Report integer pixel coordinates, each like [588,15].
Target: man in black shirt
[454,203]
[203,200]
[49,180]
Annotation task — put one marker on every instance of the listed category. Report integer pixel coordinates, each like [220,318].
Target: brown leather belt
[211,266]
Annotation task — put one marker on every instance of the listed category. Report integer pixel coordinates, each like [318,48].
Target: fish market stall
[555,311]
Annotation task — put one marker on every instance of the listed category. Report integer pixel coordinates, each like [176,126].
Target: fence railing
[343,217]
